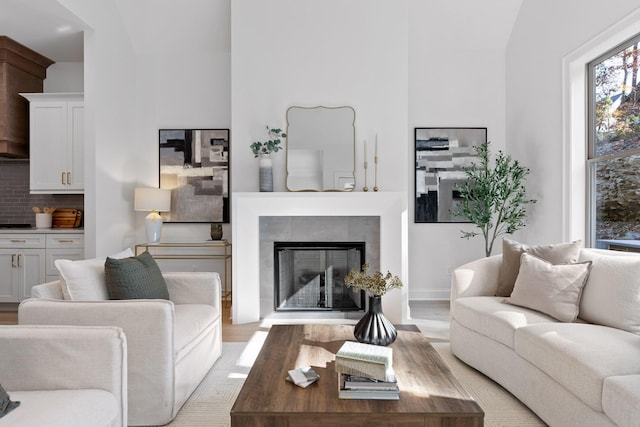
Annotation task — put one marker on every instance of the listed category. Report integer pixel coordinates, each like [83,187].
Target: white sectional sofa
[64,376]
[172,343]
[570,373]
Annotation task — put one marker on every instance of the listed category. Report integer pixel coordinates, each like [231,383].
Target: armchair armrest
[50,290]
[194,288]
[63,358]
[147,324]
[476,278]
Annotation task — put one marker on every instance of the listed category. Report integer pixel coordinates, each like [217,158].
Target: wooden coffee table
[429,393]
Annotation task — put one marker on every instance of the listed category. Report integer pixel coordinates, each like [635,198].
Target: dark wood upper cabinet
[21,70]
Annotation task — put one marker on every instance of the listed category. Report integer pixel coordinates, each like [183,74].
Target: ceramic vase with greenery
[374,327]
[263,150]
[494,196]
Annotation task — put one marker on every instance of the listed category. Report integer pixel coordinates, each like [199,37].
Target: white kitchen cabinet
[56,142]
[22,265]
[27,259]
[62,246]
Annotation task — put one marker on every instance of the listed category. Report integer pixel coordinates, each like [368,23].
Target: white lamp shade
[152,199]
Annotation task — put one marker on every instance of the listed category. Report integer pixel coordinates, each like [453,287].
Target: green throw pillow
[137,277]
[6,405]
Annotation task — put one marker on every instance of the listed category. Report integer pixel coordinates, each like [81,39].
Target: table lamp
[152,200]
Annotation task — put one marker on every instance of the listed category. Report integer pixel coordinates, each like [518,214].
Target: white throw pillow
[84,280]
[612,294]
[552,289]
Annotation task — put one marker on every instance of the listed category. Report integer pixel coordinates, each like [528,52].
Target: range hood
[21,70]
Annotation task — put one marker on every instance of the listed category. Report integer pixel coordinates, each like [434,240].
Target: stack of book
[365,371]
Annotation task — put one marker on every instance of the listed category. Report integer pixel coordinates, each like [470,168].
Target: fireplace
[309,276]
[259,219]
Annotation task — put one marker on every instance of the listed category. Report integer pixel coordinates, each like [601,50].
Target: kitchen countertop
[33,230]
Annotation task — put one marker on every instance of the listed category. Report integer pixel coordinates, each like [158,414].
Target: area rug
[501,408]
[211,402]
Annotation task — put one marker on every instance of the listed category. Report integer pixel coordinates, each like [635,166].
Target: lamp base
[153,227]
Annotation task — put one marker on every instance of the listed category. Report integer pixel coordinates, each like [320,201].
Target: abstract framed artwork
[441,154]
[194,165]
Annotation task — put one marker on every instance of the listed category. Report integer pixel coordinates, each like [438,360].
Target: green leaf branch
[272,145]
[493,198]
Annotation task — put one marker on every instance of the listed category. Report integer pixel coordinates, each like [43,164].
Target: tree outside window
[614,144]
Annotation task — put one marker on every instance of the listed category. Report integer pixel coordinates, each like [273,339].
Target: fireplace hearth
[309,276]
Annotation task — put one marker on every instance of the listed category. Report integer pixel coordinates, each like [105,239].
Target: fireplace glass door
[309,276]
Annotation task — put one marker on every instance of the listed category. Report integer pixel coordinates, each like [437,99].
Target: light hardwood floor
[422,310]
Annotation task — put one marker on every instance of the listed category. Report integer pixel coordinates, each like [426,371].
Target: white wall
[111,149]
[183,83]
[444,93]
[312,53]
[65,77]
[148,65]
[534,130]
[456,79]
[401,65]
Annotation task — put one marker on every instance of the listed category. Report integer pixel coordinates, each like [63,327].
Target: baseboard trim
[430,295]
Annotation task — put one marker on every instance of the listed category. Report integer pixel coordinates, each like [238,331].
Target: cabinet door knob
[65,241]
[13,260]
[62,178]
[18,241]
[68,178]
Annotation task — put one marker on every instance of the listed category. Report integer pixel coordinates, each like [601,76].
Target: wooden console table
[211,249]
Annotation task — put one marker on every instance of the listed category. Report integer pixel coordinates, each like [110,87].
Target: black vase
[216,231]
[374,328]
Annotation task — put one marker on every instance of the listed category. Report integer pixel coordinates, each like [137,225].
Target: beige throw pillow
[559,253]
[612,294]
[552,289]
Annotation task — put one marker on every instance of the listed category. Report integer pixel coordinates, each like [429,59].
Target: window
[614,145]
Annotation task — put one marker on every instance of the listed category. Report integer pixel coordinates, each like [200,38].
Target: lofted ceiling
[44,26]
[51,30]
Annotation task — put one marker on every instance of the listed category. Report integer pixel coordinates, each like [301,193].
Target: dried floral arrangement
[377,283]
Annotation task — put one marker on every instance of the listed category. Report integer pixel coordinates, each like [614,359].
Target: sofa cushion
[579,356]
[84,280]
[137,277]
[63,408]
[621,399]
[552,289]
[560,253]
[611,296]
[492,318]
[191,322]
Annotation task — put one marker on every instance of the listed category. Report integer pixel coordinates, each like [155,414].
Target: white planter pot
[266,174]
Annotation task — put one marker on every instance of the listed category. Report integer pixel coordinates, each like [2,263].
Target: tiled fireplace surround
[260,218]
[312,229]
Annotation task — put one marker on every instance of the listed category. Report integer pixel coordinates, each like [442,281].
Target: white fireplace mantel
[247,208]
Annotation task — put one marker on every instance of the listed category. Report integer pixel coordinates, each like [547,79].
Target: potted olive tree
[493,196]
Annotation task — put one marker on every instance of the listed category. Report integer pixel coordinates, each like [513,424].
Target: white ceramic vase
[266,174]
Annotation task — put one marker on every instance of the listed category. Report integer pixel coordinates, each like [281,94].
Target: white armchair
[171,344]
[64,376]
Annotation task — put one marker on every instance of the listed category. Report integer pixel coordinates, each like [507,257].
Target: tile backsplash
[15,200]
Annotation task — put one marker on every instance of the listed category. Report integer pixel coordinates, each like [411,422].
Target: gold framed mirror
[321,148]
